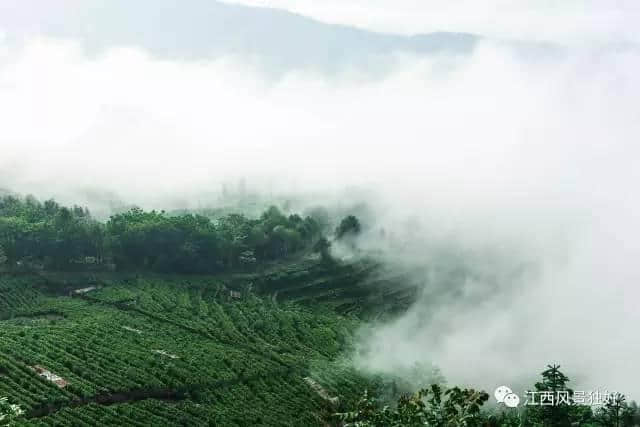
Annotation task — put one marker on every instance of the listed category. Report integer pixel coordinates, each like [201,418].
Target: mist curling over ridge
[516,164]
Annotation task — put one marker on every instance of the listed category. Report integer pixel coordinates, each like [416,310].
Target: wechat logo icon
[504,394]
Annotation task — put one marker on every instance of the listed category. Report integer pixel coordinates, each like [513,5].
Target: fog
[509,177]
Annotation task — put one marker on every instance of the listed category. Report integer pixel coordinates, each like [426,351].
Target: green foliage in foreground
[438,407]
[431,406]
[9,412]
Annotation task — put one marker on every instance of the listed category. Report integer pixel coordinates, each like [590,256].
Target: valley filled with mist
[277,213]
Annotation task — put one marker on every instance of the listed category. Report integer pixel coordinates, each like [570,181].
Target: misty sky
[508,132]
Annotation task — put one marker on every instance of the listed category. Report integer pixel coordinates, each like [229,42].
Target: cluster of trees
[348,227]
[435,406]
[47,235]
[347,230]
[615,411]
[32,232]
[191,243]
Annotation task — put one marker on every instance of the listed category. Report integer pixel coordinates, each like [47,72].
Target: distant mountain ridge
[206,29]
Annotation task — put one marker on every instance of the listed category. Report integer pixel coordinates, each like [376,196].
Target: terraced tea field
[153,351]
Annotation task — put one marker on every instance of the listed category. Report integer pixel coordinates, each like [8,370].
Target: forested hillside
[153,319]
[35,235]
[157,319]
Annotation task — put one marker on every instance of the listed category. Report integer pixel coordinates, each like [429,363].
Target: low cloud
[519,173]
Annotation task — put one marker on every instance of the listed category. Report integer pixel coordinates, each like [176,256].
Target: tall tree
[349,226]
[549,409]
